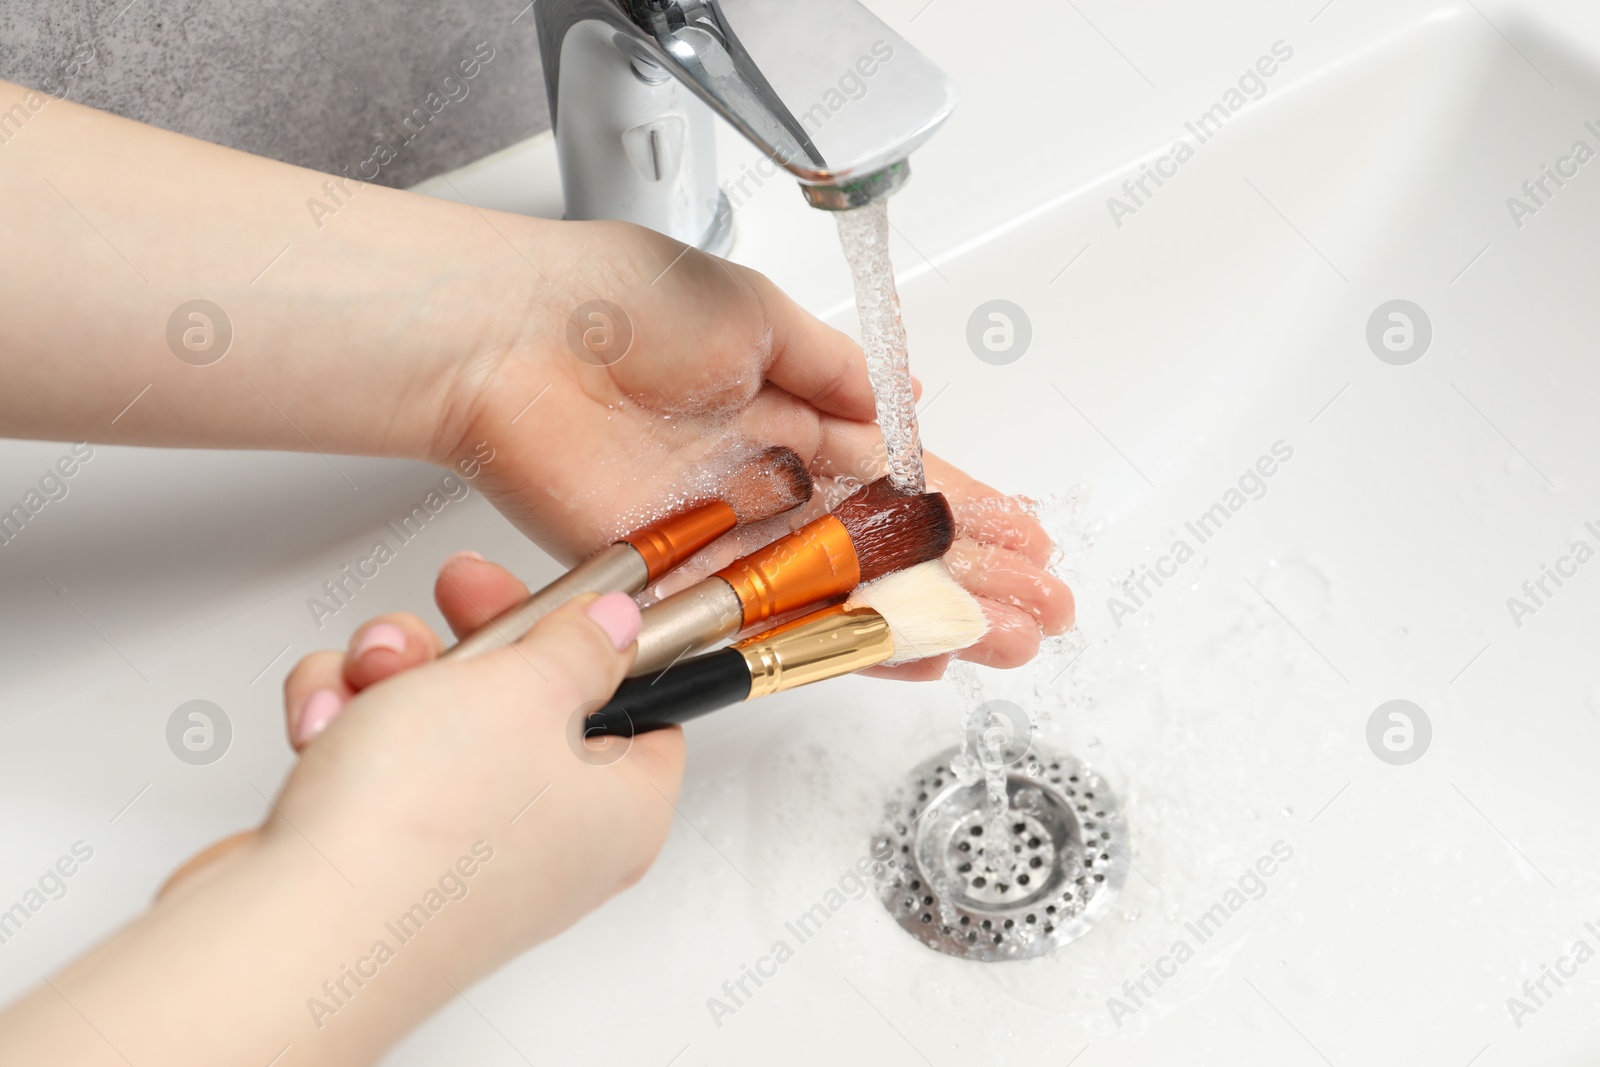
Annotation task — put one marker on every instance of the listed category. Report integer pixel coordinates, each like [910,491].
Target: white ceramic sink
[1225,320]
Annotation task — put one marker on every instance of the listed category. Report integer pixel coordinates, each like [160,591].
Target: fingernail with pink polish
[316,713]
[618,616]
[383,635]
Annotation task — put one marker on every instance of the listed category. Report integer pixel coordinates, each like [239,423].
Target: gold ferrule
[824,644]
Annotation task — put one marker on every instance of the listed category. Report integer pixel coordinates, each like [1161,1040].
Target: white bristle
[928,612]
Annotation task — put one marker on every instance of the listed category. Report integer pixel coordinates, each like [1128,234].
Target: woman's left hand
[696,363]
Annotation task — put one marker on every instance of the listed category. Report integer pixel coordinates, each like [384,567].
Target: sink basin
[1307,415]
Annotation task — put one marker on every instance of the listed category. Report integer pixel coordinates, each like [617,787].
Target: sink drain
[1009,886]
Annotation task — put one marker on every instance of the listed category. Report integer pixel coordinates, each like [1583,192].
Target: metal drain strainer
[1002,888]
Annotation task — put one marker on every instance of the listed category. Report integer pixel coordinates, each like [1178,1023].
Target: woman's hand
[696,363]
[1002,556]
[402,325]
[632,372]
[443,817]
[397,780]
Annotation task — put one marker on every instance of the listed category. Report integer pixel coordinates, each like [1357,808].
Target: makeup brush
[876,530]
[913,614]
[770,483]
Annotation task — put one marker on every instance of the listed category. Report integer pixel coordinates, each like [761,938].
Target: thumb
[585,648]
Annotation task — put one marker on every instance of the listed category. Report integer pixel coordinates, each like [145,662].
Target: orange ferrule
[668,543]
[817,562]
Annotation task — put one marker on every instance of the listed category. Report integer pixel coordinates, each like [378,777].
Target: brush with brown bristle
[913,614]
[767,485]
[875,531]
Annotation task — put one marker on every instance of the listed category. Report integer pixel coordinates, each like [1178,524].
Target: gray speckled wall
[313,82]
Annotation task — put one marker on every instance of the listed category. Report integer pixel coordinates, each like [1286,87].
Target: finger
[922,670]
[777,417]
[571,661]
[855,450]
[999,521]
[387,645]
[850,449]
[834,447]
[659,753]
[740,541]
[207,861]
[586,647]
[811,359]
[1008,577]
[313,695]
[1014,632]
[656,757]
[592,637]
[837,448]
[1012,640]
[985,514]
[470,591]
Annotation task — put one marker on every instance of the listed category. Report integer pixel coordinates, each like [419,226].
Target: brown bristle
[768,484]
[893,530]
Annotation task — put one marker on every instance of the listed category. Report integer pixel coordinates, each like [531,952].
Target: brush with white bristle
[912,614]
[928,612]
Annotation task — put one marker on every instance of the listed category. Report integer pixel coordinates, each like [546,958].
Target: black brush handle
[675,695]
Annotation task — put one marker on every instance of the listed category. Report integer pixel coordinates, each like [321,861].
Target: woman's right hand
[407,765]
[443,817]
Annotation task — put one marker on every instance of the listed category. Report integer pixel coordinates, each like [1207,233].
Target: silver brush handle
[686,623]
[616,568]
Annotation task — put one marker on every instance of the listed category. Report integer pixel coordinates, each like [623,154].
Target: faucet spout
[824,89]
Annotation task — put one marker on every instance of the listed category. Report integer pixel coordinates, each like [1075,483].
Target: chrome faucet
[823,88]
